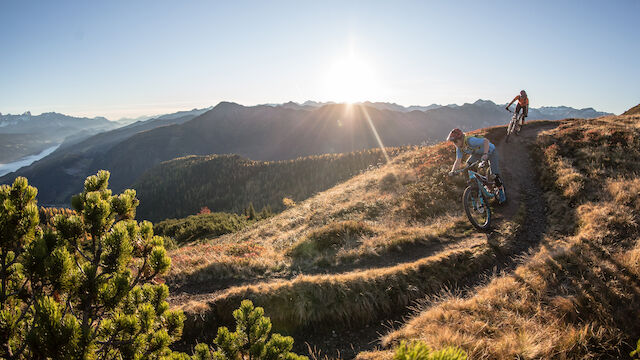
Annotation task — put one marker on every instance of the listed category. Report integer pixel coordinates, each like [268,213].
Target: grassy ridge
[578,296]
[633,111]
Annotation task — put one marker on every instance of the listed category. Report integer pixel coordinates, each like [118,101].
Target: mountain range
[263,132]
[543,113]
[26,134]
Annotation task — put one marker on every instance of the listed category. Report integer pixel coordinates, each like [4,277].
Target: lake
[26,161]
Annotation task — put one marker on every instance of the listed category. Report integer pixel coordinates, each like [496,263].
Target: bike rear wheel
[477,208]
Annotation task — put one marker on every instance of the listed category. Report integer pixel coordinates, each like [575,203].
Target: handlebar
[477,162]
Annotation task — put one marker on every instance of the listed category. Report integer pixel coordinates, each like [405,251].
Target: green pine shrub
[420,351]
[202,225]
[250,340]
[82,287]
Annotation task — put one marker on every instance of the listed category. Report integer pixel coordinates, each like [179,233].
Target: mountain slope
[633,111]
[229,183]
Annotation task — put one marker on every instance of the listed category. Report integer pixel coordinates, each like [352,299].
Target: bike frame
[516,119]
[480,181]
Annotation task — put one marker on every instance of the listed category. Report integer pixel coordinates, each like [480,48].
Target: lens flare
[375,132]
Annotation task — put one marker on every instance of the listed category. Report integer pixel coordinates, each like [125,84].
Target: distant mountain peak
[227,105]
[484,102]
[313,103]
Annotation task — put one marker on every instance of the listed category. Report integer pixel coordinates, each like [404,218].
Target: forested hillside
[183,186]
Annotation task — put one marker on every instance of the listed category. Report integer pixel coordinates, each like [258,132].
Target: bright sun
[351,80]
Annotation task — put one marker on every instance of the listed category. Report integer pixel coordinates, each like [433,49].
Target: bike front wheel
[510,127]
[477,208]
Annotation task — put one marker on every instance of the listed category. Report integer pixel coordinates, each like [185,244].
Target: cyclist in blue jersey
[480,148]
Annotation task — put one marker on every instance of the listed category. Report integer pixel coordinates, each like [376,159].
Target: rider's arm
[512,101]
[458,163]
[485,151]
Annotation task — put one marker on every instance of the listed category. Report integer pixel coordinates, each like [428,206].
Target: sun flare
[350,80]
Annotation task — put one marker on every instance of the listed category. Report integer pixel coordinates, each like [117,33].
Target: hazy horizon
[155,114]
[128,59]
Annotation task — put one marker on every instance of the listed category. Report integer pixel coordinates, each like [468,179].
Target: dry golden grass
[382,239]
[562,304]
[351,299]
[626,192]
[579,295]
[362,220]
[375,201]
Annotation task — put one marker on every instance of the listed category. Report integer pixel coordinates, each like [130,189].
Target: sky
[132,58]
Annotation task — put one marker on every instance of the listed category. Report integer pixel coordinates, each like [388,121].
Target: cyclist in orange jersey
[523,104]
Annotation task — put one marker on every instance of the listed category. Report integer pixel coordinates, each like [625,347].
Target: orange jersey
[523,101]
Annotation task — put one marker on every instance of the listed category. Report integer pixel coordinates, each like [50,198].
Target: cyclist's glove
[451,173]
[484,157]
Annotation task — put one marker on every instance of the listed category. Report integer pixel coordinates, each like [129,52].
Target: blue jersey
[473,145]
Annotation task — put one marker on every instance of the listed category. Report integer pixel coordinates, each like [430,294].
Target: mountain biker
[480,148]
[523,104]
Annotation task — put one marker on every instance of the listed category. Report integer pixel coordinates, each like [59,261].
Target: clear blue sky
[130,58]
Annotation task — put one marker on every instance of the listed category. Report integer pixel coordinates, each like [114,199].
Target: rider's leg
[494,161]
[517,112]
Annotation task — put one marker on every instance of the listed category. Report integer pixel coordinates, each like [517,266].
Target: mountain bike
[477,194]
[515,124]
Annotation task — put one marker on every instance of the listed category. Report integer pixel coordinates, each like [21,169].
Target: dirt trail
[520,178]
[521,182]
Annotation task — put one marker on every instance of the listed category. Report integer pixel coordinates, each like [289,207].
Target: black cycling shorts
[525,110]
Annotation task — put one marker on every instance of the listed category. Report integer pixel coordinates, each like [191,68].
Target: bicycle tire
[467,203]
[508,132]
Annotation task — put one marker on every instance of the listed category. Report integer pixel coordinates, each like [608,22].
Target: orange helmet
[455,134]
